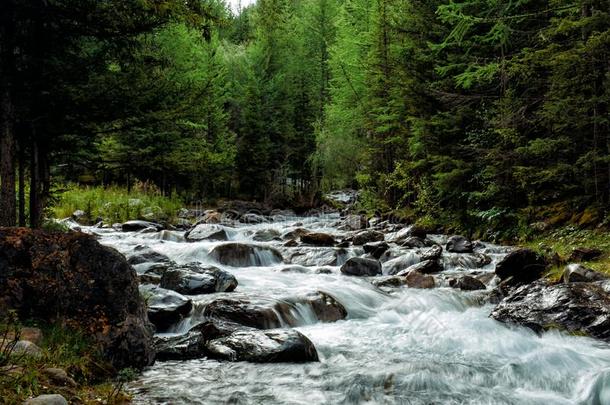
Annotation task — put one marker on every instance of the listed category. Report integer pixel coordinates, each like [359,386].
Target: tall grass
[115,204]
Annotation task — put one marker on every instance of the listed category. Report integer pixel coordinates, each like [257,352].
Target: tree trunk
[8,209]
[8,212]
[34,187]
[21,175]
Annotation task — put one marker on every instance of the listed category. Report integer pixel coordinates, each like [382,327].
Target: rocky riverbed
[282,309]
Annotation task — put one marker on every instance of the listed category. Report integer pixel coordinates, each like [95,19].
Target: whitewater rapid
[399,346]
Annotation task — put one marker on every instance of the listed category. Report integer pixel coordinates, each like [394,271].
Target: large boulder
[275,314]
[71,278]
[165,307]
[359,266]
[579,308]
[230,342]
[47,399]
[192,279]
[366,237]
[243,255]
[211,232]
[459,244]
[521,266]
[318,239]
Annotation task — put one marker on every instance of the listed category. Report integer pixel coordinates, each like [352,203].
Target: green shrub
[115,204]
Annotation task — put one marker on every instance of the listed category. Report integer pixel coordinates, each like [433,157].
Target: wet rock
[394,266]
[356,222]
[59,377]
[468,260]
[459,244]
[389,281]
[207,232]
[244,312]
[295,233]
[366,237]
[211,217]
[583,254]
[137,225]
[291,243]
[316,257]
[275,314]
[318,239]
[242,255]
[71,278]
[144,254]
[413,230]
[376,249]
[413,242]
[579,308]
[149,278]
[48,399]
[270,346]
[433,253]
[522,266]
[165,307]
[253,219]
[230,342]
[358,266]
[426,267]
[171,236]
[467,283]
[416,279]
[325,307]
[576,273]
[266,235]
[192,279]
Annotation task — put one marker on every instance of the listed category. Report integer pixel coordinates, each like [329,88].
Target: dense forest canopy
[461,112]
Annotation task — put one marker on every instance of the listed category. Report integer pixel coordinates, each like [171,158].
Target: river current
[396,346]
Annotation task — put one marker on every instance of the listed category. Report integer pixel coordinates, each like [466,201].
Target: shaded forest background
[469,114]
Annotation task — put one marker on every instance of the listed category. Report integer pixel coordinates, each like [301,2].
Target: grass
[563,241]
[114,204]
[70,351]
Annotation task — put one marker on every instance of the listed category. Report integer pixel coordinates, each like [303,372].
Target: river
[396,346]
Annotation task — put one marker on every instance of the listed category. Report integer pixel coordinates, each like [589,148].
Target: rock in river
[207,232]
[366,237]
[318,239]
[230,342]
[459,244]
[522,266]
[137,225]
[243,255]
[192,279]
[165,307]
[579,308]
[359,266]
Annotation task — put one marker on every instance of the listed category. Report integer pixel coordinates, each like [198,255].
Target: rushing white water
[407,346]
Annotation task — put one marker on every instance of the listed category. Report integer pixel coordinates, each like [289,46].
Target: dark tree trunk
[21,174]
[34,187]
[8,209]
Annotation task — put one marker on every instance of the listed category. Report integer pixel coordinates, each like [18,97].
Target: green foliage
[114,204]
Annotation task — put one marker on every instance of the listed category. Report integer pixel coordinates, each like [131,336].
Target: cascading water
[404,346]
